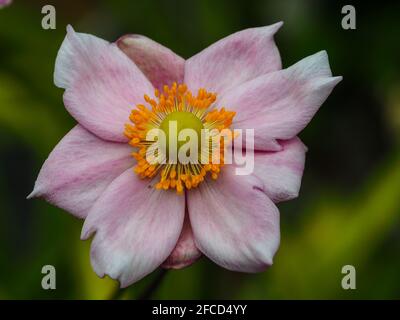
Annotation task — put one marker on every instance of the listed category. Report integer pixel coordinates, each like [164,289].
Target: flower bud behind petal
[185,252]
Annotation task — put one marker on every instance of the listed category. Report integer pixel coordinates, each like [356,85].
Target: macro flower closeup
[143,215]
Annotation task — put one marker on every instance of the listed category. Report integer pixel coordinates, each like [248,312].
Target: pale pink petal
[280,104]
[102,84]
[78,170]
[185,252]
[160,65]
[233,60]
[234,223]
[281,171]
[136,228]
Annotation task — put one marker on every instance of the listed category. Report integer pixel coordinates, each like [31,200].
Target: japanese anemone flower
[144,216]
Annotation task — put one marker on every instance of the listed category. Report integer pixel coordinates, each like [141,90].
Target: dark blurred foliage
[348,210]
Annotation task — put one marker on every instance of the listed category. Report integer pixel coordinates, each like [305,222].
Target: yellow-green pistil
[182,120]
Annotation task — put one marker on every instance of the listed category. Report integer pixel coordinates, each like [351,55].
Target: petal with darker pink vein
[234,223]
[280,104]
[78,170]
[233,60]
[281,171]
[160,64]
[136,228]
[102,84]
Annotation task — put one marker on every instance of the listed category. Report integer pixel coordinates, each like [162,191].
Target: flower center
[184,120]
[175,112]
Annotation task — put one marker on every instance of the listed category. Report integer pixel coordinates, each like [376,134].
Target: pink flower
[4,3]
[231,219]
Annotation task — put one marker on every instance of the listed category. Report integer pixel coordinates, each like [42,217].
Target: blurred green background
[348,211]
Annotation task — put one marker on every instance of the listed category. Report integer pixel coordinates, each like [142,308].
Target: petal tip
[123,284]
[337,79]
[331,81]
[321,56]
[300,143]
[33,194]
[272,28]
[127,39]
[278,25]
[86,232]
[70,29]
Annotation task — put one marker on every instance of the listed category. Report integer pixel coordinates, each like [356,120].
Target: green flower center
[183,120]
